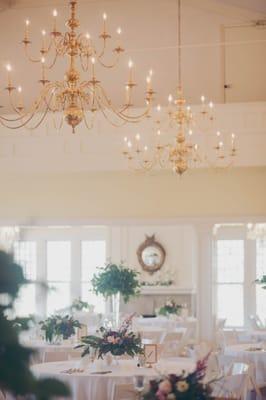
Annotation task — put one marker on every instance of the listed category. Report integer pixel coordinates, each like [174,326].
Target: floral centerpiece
[114,280]
[170,307]
[185,386]
[57,327]
[80,305]
[262,281]
[116,342]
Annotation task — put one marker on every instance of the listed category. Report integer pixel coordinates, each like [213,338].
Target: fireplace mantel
[166,290]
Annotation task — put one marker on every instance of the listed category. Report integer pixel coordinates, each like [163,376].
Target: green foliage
[170,307]
[79,305]
[113,279]
[23,324]
[262,281]
[117,343]
[15,374]
[57,325]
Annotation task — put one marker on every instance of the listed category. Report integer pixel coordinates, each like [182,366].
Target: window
[260,271]
[58,275]
[25,255]
[93,255]
[230,281]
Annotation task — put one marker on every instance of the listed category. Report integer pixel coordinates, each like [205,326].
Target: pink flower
[110,339]
[165,386]
[160,395]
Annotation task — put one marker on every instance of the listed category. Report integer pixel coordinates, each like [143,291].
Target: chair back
[124,392]
[50,356]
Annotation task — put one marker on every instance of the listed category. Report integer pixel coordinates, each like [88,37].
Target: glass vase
[115,309]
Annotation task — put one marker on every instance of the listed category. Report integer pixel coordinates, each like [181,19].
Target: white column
[75,283]
[41,292]
[205,302]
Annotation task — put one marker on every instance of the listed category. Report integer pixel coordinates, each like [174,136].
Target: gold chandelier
[181,153]
[75,98]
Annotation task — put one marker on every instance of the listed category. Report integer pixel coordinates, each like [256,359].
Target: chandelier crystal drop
[79,95]
[181,152]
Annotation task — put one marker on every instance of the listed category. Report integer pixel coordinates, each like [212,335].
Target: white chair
[237,383]
[51,356]
[151,336]
[125,392]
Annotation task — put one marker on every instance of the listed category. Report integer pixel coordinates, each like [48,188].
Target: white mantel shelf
[166,290]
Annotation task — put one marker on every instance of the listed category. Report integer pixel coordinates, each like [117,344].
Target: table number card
[150,353]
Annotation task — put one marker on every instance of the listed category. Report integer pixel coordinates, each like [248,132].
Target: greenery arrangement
[170,307]
[168,282]
[180,387]
[117,342]
[23,324]
[113,279]
[79,305]
[15,374]
[57,326]
[262,281]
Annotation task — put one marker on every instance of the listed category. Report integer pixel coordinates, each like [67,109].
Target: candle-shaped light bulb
[129,144]
[88,36]
[119,31]
[146,148]
[43,60]
[104,16]
[19,89]
[196,147]
[158,108]
[125,139]
[151,72]
[55,14]
[211,105]
[137,137]
[190,132]
[233,136]
[221,145]
[170,99]
[43,32]
[8,70]
[104,22]
[218,133]
[26,34]
[158,132]
[130,64]
[202,99]
[188,108]
[93,60]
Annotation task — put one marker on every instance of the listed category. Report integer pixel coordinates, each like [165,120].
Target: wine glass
[138,381]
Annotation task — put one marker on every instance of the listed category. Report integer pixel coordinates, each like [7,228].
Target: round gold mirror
[151,255]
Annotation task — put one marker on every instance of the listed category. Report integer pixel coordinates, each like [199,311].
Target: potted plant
[170,308]
[262,281]
[57,328]
[114,342]
[113,281]
[80,305]
[16,376]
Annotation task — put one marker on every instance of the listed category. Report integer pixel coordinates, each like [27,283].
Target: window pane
[230,261]
[91,298]
[58,261]
[230,304]
[25,255]
[260,271]
[93,255]
[25,303]
[58,297]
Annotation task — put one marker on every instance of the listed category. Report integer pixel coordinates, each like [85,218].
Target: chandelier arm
[109,66]
[84,67]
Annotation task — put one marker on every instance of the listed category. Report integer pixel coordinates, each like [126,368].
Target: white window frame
[73,234]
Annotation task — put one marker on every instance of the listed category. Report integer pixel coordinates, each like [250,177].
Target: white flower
[182,386]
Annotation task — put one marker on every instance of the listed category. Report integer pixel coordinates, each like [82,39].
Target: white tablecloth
[259,336]
[89,386]
[42,348]
[242,352]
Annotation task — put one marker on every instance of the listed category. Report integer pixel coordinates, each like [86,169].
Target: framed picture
[150,353]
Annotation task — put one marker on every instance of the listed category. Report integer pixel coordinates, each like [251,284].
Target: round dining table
[98,381]
[250,354]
